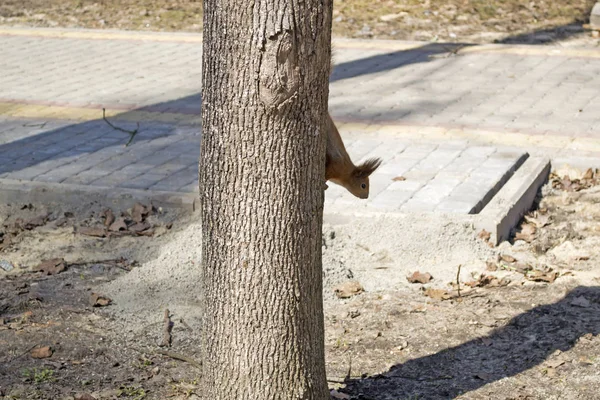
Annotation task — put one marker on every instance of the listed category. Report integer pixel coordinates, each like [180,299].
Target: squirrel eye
[364,186]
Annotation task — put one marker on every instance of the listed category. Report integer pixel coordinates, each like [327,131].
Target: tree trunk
[262,173]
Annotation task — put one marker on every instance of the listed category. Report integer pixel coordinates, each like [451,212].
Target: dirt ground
[475,21]
[525,324]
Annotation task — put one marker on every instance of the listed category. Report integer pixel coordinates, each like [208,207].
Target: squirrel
[340,169]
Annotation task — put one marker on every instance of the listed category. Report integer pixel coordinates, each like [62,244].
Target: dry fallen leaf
[484,235]
[488,280]
[139,227]
[35,222]
[527,233]
[138,213]
[41,352]
[98,300]
[507,258]
[418,277]
[491,266]
[399,179]
[348,289]
[95,232]
[108,216]
[541,276]
[52,267]
[118,225]
[437,294]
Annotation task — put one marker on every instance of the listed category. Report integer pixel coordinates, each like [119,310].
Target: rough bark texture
[265,91]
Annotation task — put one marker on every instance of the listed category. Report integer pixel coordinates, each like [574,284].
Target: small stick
[23,353]
[166,342]
[349,373]
[131,133]
[185,324]
[180,357]
[458,279]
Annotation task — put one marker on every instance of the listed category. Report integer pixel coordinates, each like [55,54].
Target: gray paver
[500,92]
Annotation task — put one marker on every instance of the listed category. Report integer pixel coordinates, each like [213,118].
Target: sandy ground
[473,21]
[525,324]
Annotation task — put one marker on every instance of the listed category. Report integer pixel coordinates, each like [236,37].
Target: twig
[43,124]
[166,342]
[180,357]
[23,353]
[131,133]
[458,279]
[185,324]
[349,373]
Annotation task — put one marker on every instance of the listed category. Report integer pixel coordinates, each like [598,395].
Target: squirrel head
[358,184]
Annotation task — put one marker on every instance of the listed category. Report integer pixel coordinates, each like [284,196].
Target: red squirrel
[340,169]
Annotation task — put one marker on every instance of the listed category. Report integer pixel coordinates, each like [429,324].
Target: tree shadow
[526,341]
[392,60]
[166,145]
[547,35]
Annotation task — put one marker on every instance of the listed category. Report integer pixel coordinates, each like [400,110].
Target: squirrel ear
[367,168]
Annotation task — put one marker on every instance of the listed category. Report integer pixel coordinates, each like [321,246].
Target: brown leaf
[418,277]
[399,179]
[139,212]
[108,216]
[35,222]
[488,280]
[118,225]
[91,231]
[149,233]
[98,300]
[348,289]
[437,294]
[52,267]
[507,258]
[589,174]
[484,235]
[527,233]
[491,266]
[41,352]
[541,276]
[139,227]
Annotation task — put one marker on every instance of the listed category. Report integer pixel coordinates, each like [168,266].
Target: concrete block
[515,198]
[595,16]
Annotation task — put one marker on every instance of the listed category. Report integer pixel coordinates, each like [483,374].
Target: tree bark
[262,172]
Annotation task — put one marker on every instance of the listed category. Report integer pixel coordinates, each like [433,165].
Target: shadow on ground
[93,153]
[547,35]
[393,60]
[525,342]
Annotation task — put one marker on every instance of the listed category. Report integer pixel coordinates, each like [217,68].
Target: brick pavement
[452,125]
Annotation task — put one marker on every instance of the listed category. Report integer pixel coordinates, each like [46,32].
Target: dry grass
[448,20]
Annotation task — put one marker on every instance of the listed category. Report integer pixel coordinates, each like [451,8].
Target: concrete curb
[515,198]
[13,191]
[595,16]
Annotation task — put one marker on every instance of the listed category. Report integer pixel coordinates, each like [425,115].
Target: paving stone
[420,99]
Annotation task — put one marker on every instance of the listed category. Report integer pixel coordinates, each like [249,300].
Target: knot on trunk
[279,71]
